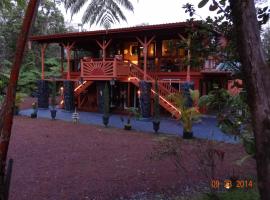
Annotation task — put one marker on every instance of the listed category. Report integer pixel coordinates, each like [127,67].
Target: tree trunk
[6,114]
[257,79]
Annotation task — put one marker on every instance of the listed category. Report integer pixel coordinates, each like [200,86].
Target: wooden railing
[122,68]
[97,69]
[164,89]
[137,72]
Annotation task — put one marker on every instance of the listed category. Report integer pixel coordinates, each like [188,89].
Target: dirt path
[59,160]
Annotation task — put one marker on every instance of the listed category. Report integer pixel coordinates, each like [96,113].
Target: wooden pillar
[43,49]
[188,42]
[158,54]
[68,49]
[128,95]
[103,46]
[145,45]
[62,58]
[189,58]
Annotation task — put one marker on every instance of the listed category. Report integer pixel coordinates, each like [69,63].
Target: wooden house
[125,57]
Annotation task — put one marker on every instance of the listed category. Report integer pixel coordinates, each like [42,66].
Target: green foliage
[1,99]
[188,114]
[216,99]
[52,66]
[156,103]
[202,3]
[49,20]
[28,75]
[233,117]
[19,98]
[106,108]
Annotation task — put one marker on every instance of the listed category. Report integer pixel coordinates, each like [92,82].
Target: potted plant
[156,120]
[18,100]
[188,113]
[131,111]
[34,107]
[53,100]
[106,106]
[127,126]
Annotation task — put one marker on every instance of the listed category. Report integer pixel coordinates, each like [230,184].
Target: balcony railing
[103,69]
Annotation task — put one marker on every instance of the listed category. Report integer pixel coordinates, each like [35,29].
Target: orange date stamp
[228,184]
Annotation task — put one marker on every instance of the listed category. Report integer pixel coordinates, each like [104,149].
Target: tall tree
[6,114]
[102,12]
[256,75]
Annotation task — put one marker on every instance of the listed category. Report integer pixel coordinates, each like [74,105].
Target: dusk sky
[151,12]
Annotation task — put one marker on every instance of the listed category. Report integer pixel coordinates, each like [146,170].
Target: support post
[103,46]
[62,58]
[69,95]
[43,94]
[68,49]
[43,49]
[145,45]
[128,96]
[145,98]
[188,42]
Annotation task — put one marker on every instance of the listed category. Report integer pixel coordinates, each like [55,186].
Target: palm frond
[75,7]
[126,4]
[102,12]
[114,6]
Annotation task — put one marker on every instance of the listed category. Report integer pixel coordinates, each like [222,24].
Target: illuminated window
[151,50]
[168,48]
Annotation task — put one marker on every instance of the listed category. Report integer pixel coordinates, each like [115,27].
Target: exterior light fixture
[139,93]
[112,82]
[81,80]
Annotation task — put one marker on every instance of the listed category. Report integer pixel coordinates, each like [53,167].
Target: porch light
[112,82]
[125,51]
[139,93]
[81,80]
[129,78]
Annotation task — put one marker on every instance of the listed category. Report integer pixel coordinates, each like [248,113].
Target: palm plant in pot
[156,120]
[106,106]
[189,114]
[53,100]
[34,113]
[131,111]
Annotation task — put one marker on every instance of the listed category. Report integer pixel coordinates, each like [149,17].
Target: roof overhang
[160,30]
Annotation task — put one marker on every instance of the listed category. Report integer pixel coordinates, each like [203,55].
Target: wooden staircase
[81,87]
[80,97]
[164,89]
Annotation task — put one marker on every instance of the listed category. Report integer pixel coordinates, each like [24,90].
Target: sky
[148,11]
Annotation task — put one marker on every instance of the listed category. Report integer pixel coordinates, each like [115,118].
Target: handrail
[164,89]
[165,86]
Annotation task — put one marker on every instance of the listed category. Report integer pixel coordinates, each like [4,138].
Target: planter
[105,120]
[33,115]
[187,135]
[127,127]
[53,114]
[156,126]
[16,110]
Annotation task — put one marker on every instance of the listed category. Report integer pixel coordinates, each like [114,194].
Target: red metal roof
[116,31]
